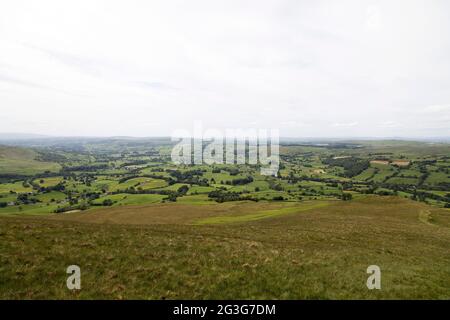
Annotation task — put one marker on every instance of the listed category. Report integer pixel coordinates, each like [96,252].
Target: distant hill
[21,136]
[23,161]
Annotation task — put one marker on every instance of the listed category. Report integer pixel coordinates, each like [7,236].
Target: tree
[107,202]
[171,197]
[346,196]
[183,189]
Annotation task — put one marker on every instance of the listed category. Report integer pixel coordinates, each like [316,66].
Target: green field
[23,161]
[141,227]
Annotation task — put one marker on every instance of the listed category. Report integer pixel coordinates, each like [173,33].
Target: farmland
[141,227]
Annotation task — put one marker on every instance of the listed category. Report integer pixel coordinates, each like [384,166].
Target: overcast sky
[145,68]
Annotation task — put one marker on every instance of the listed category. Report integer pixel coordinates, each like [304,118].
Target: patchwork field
[141,227]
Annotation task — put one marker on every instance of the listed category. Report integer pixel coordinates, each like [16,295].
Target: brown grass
[384,162]
[168,213]
[322,253]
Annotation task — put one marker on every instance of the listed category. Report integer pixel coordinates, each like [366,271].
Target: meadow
[140,227]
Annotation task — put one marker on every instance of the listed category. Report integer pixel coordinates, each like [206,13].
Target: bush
[346,196]
[107,202]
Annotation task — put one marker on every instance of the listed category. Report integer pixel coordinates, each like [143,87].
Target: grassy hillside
[21,161]
[160,251]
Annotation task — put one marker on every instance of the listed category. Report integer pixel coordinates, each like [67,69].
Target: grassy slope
[318,253]
[14,160]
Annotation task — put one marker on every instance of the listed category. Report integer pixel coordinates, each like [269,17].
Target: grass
[15,160]
[28,210]
[49,182]
[200,189]
[141,182]
[262,214]
[130,199]
[195,199]
[366,174]
[320,255]
[47,197]
[15,187]
[385,171]
[437,177]
[401,180]
[174,187]
[308,246]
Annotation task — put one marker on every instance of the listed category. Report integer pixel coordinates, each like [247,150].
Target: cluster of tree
[345,196]
[293,179]
[107,202]
[185,175]
[190,177]
[58,187]
[90,196]
[24,198]
[241,181]
[443,186]
[385,192]
[275,186]
[133,163]
[172,196]
[183,190]
[232,171]
[422,195]
[82,206]
[93,167]
[50,157]
[352,165]
[224,196]
[7,177]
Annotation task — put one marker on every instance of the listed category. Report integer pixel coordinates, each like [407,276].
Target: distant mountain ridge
[7,136]
[21,136]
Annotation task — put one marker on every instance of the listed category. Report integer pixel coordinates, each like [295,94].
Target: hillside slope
[322,253]
[21,161]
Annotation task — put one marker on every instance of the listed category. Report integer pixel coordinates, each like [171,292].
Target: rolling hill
[22,161]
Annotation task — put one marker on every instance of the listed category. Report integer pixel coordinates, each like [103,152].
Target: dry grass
[320,253]
[169,213]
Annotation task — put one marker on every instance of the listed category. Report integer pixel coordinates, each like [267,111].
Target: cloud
[21,82]
[345,124]
[155,85]
[292,124]
[390,124]
[35,85]
[341,70]
[432,109]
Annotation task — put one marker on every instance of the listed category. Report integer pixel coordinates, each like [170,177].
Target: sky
[147,68]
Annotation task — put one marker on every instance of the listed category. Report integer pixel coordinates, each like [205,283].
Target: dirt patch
[401,163]
[384,162]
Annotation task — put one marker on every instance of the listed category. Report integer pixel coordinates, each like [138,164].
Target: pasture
[157,252]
